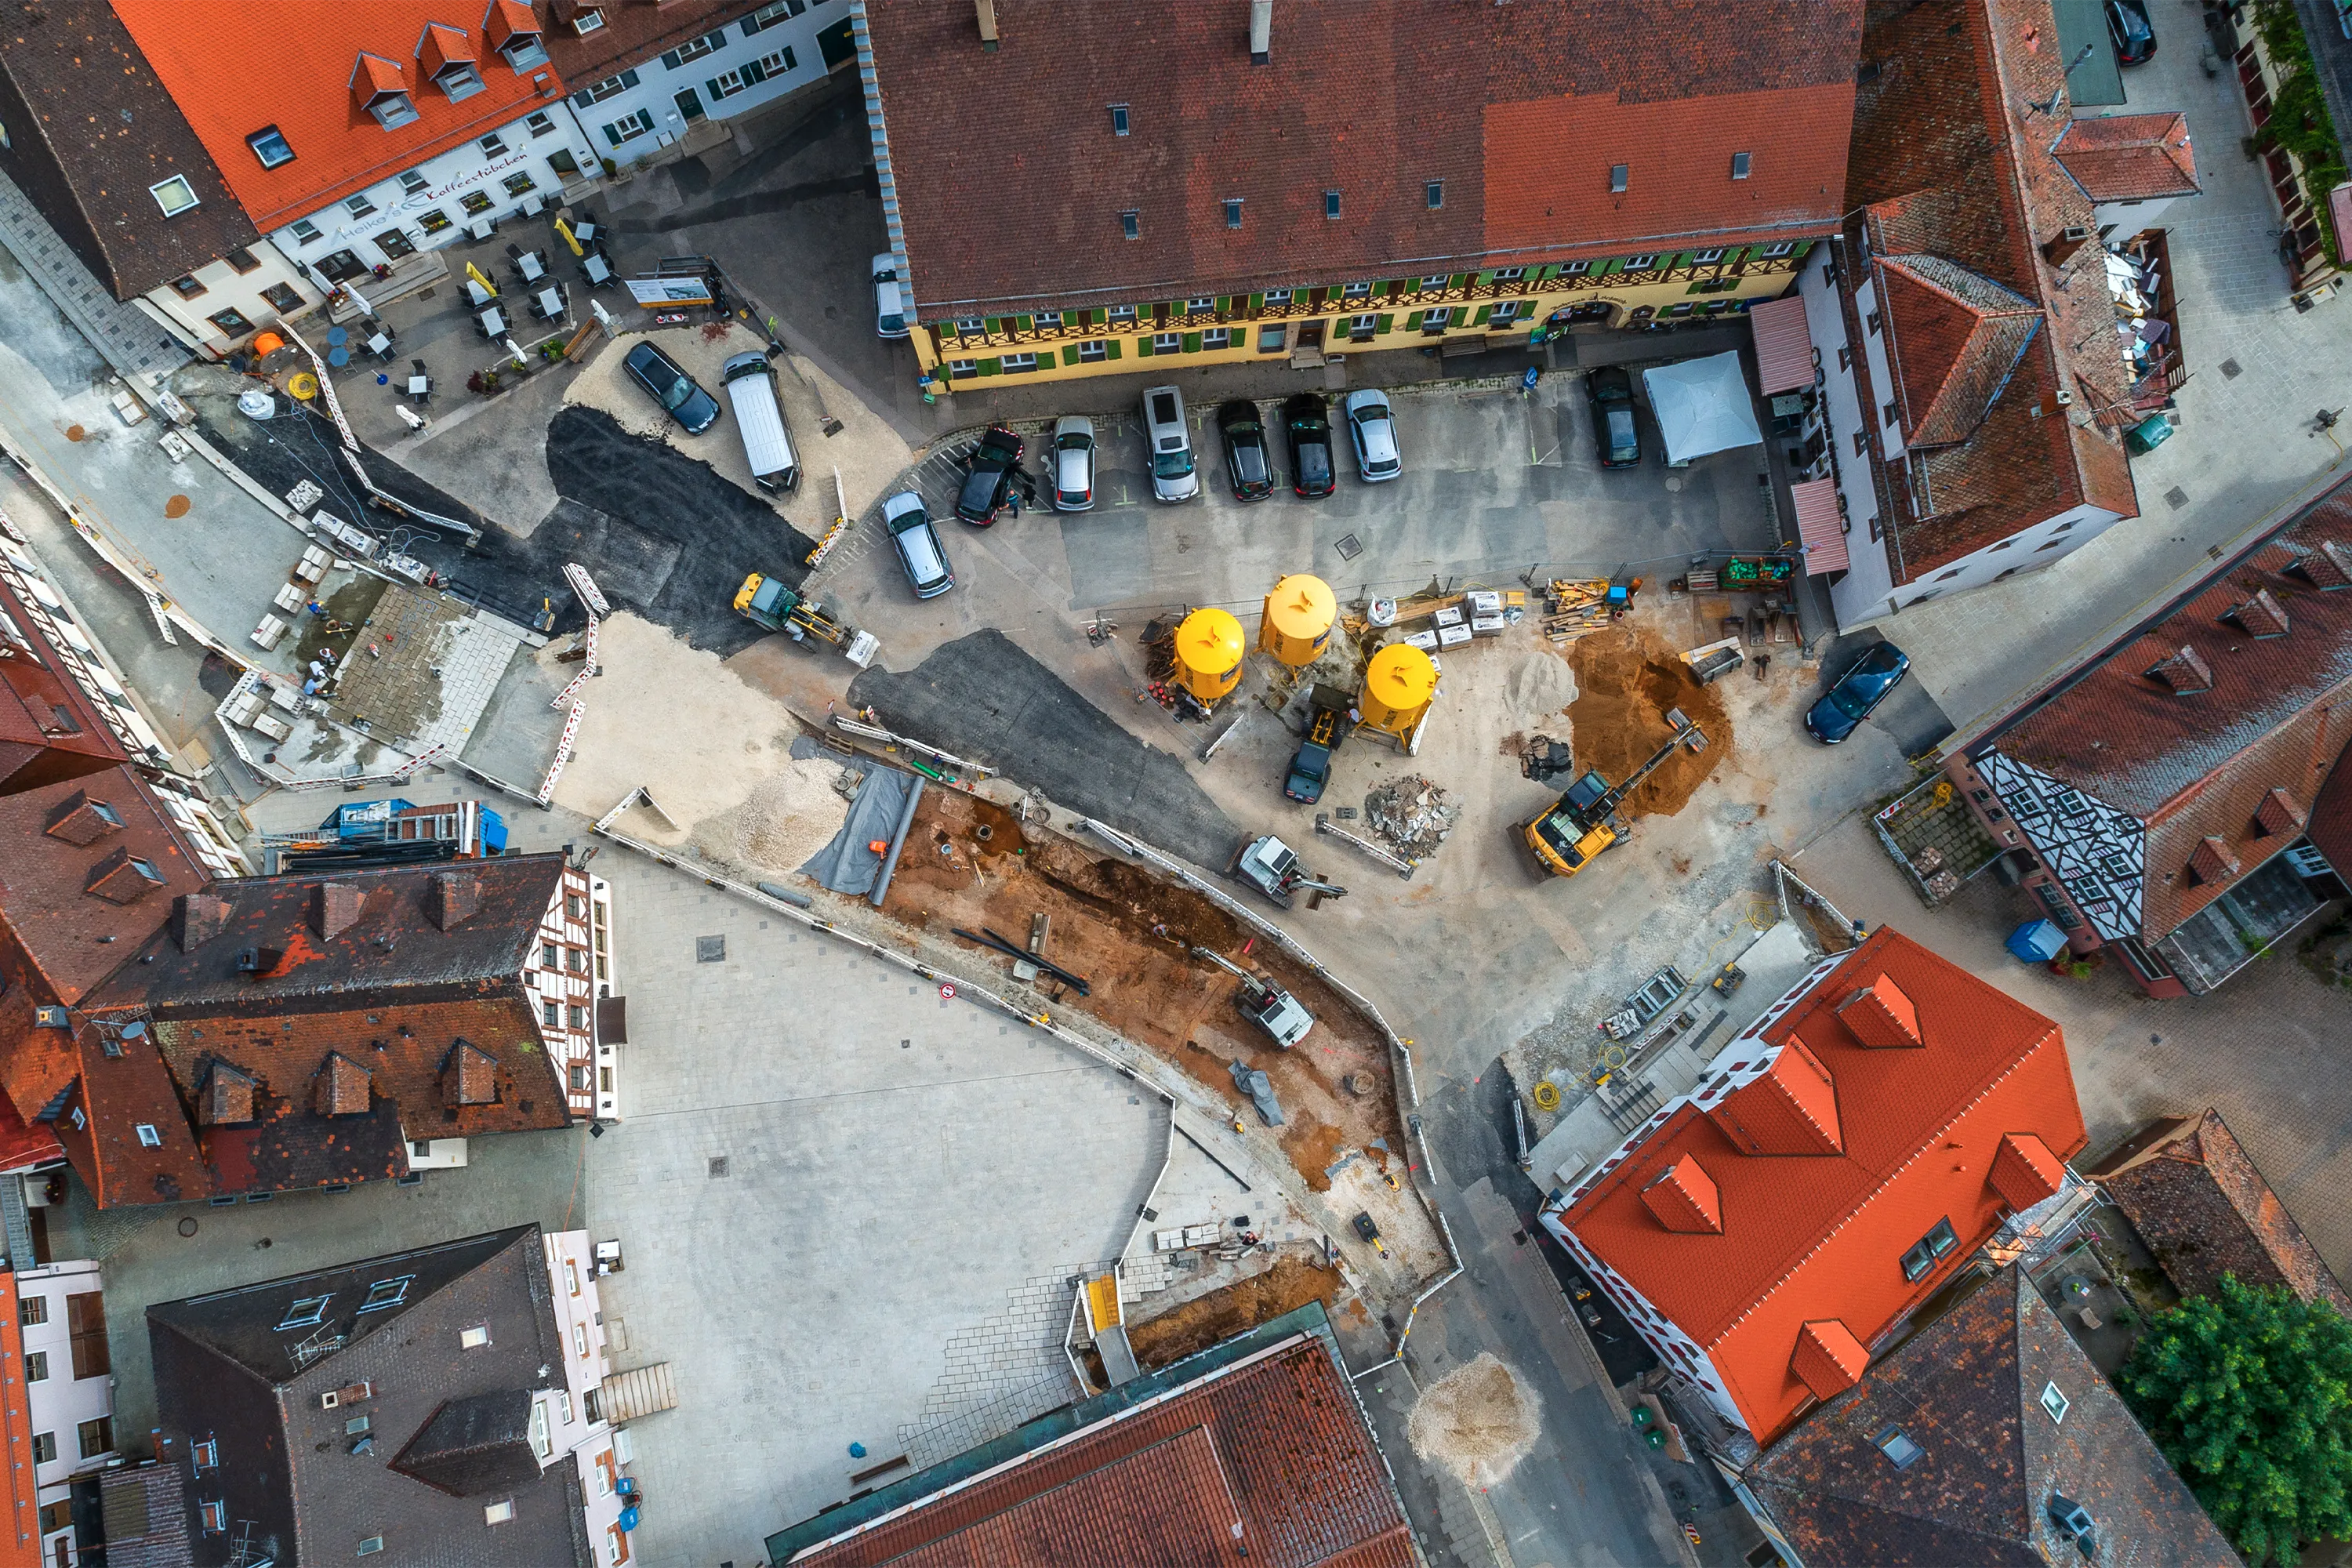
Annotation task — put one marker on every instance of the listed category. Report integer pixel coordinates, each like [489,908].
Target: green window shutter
[1386,322]
[992,367]
[1114,348]
[1142,346]
[1459,280]
[1546,274]
[1610,268]
[1480,319]
[1412,322]
[1025,323]
[1256,303]
[992,325]
[1225,304]
[1482,278]
[1192,342]
[1069,354]
[1682,260]
[1804,248]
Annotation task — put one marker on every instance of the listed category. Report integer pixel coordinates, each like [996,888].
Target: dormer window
[513,31]
[393,109]
[380,87]
[459,79]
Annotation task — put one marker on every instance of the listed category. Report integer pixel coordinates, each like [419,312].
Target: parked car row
[751,386]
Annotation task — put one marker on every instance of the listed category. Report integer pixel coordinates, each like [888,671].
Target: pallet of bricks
[1575,607]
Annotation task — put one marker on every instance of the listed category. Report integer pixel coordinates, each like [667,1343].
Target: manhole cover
[717,1167]
[176,507]
[2175,497]
[1350,547]
[711,950]
[187,1225]
[2231,370]
[424,293]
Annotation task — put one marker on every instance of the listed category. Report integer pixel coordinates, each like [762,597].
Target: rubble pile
[1411,815]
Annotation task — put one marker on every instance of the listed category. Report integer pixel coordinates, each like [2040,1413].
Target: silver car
[1170,439]
[1073,463]
[889,300]
[918,543]
[1372,428]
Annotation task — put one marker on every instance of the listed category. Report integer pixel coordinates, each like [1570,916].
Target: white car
[918,543]
[889,300]
[1073,463]
[1372,429]
[1170,439]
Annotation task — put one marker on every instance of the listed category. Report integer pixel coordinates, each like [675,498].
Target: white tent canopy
[1703,405]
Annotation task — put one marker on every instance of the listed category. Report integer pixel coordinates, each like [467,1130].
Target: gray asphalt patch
[983,698]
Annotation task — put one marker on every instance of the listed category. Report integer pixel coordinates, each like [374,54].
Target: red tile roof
[1520,111]
[1814,1236]
[2330,828]
[2130,157]
[1957,338]
[48,730]
[1829,1359]
[2195,1197]
[233,70]
[1946,165]
[20,1531]
[1277,1447]
[2204,755]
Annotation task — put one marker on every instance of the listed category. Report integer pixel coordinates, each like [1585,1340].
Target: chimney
[451,897]
[334,908]
[196,919]
[1881,1016]
[1791,1110]
[2064,243]
[1685,1199]
[2024,1170]
[2186,672]
[122,878]
[1261,31]
[2212,861]
[1829,1359]
[986,10]
[2262,615]
[260,963]
[2279,814]
[81,821]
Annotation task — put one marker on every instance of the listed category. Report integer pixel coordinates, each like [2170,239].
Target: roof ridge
[1906,258]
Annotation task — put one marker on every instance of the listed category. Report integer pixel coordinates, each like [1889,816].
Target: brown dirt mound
[1627,677]
[1221,1314]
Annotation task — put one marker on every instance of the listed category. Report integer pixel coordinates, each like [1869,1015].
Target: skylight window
[2053,1402]
[305,1311]
[386,1293]
[1900,1451]
[270,146]
[175,195]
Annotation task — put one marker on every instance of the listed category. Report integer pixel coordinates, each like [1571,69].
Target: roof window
[175,195]
[2053,1402]
[1619,176]
[1900,1451]
[386,1293]
[1233,212]
[269,146]
[392,110]
[1435,192]
[474,1338]
[1118,126]
[1130,224]
[1330,203]
[1937,1243]
[459,79]
[1740,162]
[305,1311]
[149,1137]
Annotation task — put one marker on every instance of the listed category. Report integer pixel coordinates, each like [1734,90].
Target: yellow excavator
[1584,822]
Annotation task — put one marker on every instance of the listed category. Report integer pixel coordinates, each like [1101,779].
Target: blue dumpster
[2037,942]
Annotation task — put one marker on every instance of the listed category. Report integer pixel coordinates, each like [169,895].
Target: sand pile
[1478,1421]
[790,816]
[1541,685]
[1629,679]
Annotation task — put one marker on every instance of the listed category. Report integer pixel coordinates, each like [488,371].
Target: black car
[1245,457]
[1861,687]
[672,388]
[1615,435]
[1309,421]
[2134,33]
[995,464]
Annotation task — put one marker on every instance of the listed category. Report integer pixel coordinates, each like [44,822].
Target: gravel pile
[1411,815]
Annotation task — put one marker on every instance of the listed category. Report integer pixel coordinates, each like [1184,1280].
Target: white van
[751,388]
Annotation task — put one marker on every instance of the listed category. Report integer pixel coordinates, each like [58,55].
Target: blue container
[629,1519]
[2037,942]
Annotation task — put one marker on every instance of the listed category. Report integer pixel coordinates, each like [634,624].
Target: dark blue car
[1861,687]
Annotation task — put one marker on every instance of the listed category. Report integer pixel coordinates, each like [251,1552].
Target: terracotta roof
[149,1518]
[1520,111]
[1957,338]
[1277,1446]
[2204,755]
[48,730]
[633,32]
[304,66]
[2330,826]
[1968,1390]
[2195,1196]
[1943,168]
[20,1518]
[2130,157]
[1811,1237]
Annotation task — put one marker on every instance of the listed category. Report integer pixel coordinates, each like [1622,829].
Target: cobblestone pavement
[130,340]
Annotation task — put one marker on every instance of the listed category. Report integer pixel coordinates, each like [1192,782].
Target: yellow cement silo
[1398,689]
[1209,650]
[1298,618]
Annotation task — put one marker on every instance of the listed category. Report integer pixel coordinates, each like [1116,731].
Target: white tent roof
[1703,405]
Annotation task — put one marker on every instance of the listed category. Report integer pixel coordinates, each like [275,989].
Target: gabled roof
[316,66]
[49,731]
[92,129]
[2130,157]
[226,1368]
[631,34]
[1957,338]
[1947,161]
[2191,722]
[1968,1390]
[1520,111]
[1811,1236]
[2194,1194]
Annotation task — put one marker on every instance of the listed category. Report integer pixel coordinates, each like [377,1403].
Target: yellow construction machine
[1584,822]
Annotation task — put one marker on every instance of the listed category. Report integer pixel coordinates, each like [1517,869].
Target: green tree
[2249,1395]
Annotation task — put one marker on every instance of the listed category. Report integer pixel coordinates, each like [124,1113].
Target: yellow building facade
[1460,309]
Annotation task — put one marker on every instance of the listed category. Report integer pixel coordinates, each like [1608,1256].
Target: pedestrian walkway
[132,341]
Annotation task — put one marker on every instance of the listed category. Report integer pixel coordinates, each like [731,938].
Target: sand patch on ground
[1541,686]
[675,721]
[789,816]
[1628,675]
[1478,1421]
